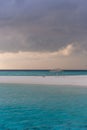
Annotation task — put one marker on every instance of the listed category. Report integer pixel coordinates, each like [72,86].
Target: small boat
[56,71]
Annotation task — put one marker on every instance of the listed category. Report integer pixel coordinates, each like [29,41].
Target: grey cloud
[42,25]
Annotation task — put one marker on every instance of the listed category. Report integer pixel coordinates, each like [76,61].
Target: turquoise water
[33,107]
[41,72]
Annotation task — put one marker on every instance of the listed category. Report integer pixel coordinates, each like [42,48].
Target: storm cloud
[42,25]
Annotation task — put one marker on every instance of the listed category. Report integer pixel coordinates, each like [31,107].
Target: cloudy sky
[43,34]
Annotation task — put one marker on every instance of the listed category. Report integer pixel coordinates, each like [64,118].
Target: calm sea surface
[33,107]
[41,72]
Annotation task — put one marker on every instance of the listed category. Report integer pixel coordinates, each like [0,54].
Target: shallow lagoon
[41,107]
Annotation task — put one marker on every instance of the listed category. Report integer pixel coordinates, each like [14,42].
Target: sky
[43,34]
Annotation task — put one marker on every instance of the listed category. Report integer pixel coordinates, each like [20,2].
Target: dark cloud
[42,25]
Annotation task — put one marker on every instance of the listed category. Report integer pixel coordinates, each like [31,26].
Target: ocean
[41,72]
[42,107]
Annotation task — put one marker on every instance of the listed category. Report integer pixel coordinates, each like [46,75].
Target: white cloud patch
[66,51]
